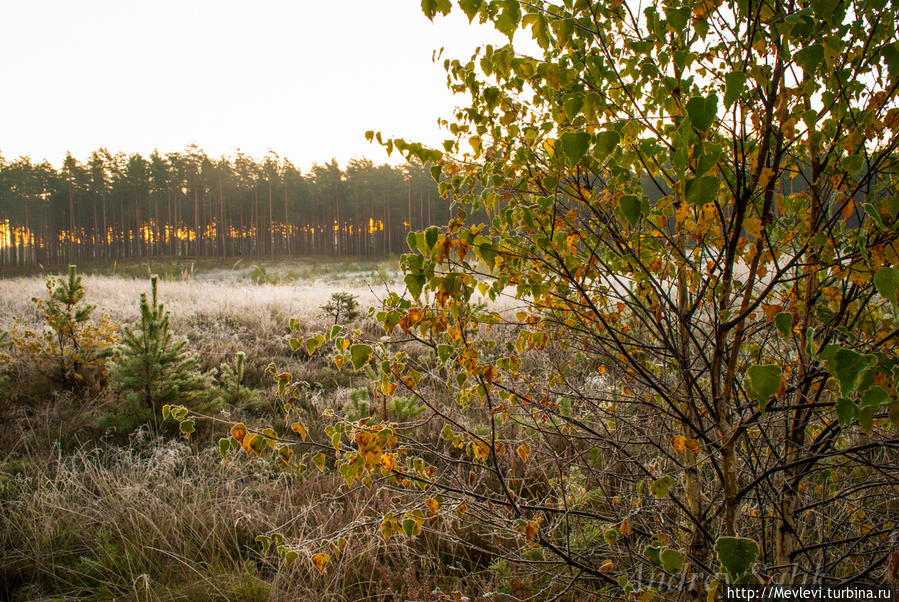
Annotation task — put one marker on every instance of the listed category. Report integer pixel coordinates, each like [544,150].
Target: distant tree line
[116,206]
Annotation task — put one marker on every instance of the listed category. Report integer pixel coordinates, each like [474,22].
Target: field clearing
[91,511]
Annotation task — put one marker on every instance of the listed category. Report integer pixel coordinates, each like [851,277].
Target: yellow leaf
[299,428]
[753,226]
[320,560]
[480,450]
[549,145]
[432,505]
[679,443]
[524,450]
[388,461]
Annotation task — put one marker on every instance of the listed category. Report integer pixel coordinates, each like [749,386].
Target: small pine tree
[150,366]
[72,342]
[342,306]
[231,379]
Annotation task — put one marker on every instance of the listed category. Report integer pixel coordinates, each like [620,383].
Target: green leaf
[736,555]
[733,87]
[563,28]
[809,57]
[763,382]
[653,553]
[677,18]
[847,411]
[874,397]
[187,427]
[784,324]
[886,280]
[431,235]
[295,344]
[702,111]
[573,106]
[890,53]
[702,190]
[539,29]
[660,487]
[470,8]
[349,473]
[671,560]
[432,7]
[360,354]
[444,351]
[574,145]
[708,159]
[866,419]
[631,207]
[409,527]
[483,248]
[509,18]
[224,446]
[335,330]
[414,283]
[846,365]
[166,411]
[314,343]
[607,141]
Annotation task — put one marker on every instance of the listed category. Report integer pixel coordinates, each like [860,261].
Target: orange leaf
[432,505]
[679,443]
[531,529]
[320,560]
[239,431]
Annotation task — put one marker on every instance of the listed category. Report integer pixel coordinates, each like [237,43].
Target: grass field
[90,511]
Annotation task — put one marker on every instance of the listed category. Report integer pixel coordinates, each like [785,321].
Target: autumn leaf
[299,428]
[531,529]
[320,560]
[523,451]
[239,431]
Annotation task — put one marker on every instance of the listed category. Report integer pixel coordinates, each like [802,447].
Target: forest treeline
[116,206]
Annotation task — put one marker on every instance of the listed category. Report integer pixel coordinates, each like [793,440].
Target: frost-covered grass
[88,513]
[221,291]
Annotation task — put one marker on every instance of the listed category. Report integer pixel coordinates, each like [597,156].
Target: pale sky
[305,78]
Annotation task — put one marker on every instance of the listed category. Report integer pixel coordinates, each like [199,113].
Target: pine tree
[71,341]
[152,367]
[231,382]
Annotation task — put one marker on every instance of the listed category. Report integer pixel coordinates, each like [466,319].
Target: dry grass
[87,515]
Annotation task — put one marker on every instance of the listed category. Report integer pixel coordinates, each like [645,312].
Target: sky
[303,78]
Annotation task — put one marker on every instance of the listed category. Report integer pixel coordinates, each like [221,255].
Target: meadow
[93,508]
